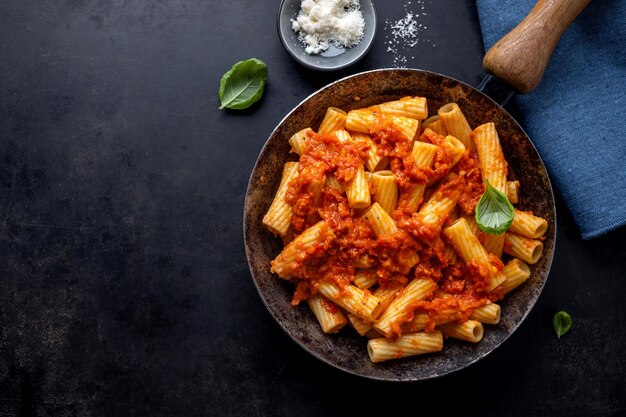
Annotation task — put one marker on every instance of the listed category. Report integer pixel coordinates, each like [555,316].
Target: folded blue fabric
[577,116]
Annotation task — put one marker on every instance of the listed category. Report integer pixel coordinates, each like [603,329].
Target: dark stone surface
[123,283]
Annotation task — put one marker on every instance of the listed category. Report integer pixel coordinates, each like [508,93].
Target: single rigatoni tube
[359,302]
[465,242]
[437,209]
[494,244]
[407,127]
[411,107]
[488,314]
[419,323]
[328,315]
[423,154]
[375,158]
[318,233]
[492,163]
[278,217]
[365,278]
[469,248]
[528,250]
[456,124]
[298,140]
[360,120]
[416,290]
[386,193]
[412,344]
[470,330]
[335,119]
[512,191]
[528,225]
[516,273]
[333,182]
[455,148]
[361,326]
[386,295]
[358,190]
[379,219]
[435,124]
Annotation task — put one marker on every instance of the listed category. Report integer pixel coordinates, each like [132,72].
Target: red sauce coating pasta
[461,287]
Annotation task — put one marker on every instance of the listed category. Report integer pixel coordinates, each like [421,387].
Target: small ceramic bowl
[334,58]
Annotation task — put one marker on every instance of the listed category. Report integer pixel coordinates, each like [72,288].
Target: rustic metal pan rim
[374,377]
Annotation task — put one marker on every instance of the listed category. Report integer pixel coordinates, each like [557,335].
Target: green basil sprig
[561,322]
[243,84]
[494,212]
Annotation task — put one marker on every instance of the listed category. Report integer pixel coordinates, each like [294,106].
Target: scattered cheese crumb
[405,34]
[322,22]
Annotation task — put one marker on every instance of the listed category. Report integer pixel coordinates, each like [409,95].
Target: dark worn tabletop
[124,288]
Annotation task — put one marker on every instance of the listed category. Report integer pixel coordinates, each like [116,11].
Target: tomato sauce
[416,250]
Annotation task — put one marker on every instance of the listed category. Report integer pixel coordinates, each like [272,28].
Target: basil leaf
[561,323]
[494,212]
[243,84]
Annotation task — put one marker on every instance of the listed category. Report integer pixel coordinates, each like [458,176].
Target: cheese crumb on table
[404,34]
[324,22]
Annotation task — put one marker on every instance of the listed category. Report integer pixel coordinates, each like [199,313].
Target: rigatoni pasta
[329,316]
[335,119]
[386,193]
[411,344]
[471,330]
[489,313]
[378,222]
[423,155]
[494,169]
[381,223]
[365,278]
[528,250]
[298,140]
[516,273]
[456,124]
[410,107]
[435,124]
[278,217]
[528,225]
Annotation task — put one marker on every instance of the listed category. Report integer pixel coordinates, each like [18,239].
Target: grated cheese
[321,23]
[405,33]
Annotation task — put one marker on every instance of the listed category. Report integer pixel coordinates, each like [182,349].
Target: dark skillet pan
[347,350]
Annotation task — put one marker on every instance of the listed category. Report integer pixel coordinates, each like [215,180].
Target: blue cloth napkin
[577,116]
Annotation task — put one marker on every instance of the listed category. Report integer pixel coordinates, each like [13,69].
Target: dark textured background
[124,288]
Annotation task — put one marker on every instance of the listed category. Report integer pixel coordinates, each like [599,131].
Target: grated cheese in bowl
[321,23]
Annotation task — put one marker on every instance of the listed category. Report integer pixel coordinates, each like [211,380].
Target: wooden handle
[521,57]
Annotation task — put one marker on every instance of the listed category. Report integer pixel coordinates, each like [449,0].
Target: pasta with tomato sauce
[394,246]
